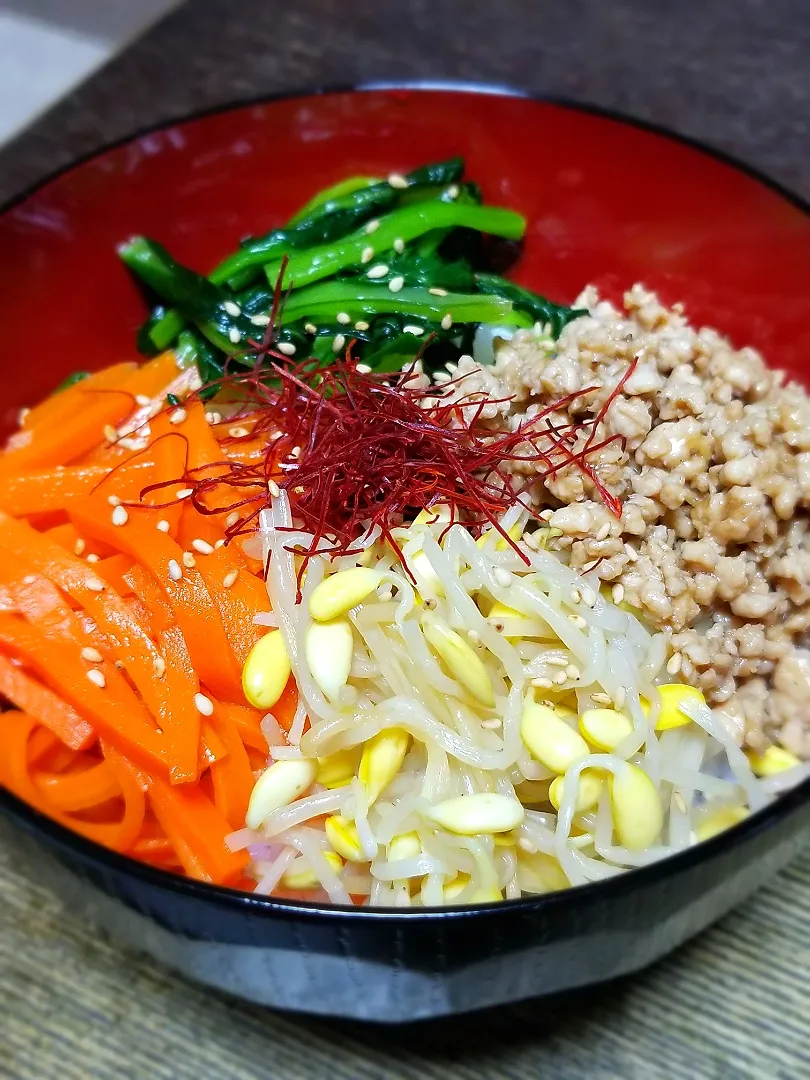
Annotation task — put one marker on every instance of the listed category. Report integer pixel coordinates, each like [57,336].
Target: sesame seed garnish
[175,573]
[397,181]
[95,584]
[118,664]
[230,578]
[295,453]
[79,546]
[92,557]
[541,684]
[159,664]
[120,516]
[603,532]
[361,325]
[576,596]
[399,245]
[447,321]
[342,317]
[234,335]
[556,661]
[132,444]
[452,191]
[378,271]
[143,400]
[184,493]
[631,553]
[578,621]
[188,560]
[367,254]
[92,656]
[286,347]
[163,526]
[260,320]
[395,284]
[231,519]
[680,802]
[338,342]
[588,597]
[600,699]
[560,678]
[527,846]
[220,543]
[311,328]
[502,577]
[491,724]
[21,415]
[362,369]
[438,292]
[178,416]
[417,331]
[238,432]
[97,677]
[232,308]
[674,664]
[371,226]
[110,434]
[573,672]
[204,704]
[202,546]
[618,593]
[29,579]
[273,488]
[213,417]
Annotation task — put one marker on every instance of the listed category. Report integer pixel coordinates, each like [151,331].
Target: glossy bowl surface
[608,202]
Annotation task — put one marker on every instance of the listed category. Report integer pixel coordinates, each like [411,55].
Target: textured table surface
[735,1003]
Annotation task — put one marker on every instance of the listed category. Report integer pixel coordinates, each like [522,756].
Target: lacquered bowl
[609,202]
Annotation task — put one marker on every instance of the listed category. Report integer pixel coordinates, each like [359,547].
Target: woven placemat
[734,1005]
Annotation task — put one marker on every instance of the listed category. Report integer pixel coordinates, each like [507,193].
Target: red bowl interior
[607,202]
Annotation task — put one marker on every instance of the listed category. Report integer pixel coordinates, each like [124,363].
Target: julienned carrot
[79,790]
[232,776]
[114,570]
[48,489]
[63,403]
[284,708]
[188,596]
[197,829]
[125,637]
[45,706]
[248,722]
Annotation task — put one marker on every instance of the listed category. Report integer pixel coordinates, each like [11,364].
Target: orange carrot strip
[197,830]
[284,708]
[232,776]
[247,722]
[55,408]
[114,570]
[78,790]
[67,537]
[50,489]
[44,706]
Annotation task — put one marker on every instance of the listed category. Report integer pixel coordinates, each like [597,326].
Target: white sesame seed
[631,553]
[213,417]
[437,292]
[132,444]
[603,532]
[417,331]
[143,400]
[588,597]
[238,432]
[502,577]
[674,664]
[338,341]
[617,593]
[541,684]
[232,308]
[573,672]
[231,519]
[110,434]
[286,347]
[295,453]
[230,578]
[311,328]
[220,543]
[178,416]
[600,699]
[79,546]
[163,525]
[367,254]
[204,704]
[371,227]
[260,320]
[397,181]
[120,516]
[21,416]
[273,488]
[175,573]
[588,566]
[343,318]
[560,678]
[97,677]
[92,557]
[29,579]
[95,584]
[452,191]
[202,546]
[556,661]
[395,284]
[159,665]
[362,369]
[188,560]
[399,245]
[234,335]
[527,846]
[530,541]
[378,271]
[385,594]
[546,515]
[361,325]
[113,500]
[576,596]
[92,656]
[492,723]
[447,321]
[680,802]
[578,621]
[184,493]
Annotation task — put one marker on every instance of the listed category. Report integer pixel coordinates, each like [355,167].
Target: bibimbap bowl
[608,203]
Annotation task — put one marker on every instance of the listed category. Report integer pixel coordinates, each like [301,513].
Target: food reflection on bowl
[393,584]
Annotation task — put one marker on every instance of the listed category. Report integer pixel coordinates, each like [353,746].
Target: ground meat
[713,473]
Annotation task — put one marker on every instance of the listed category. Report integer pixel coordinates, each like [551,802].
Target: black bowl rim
[576,897]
